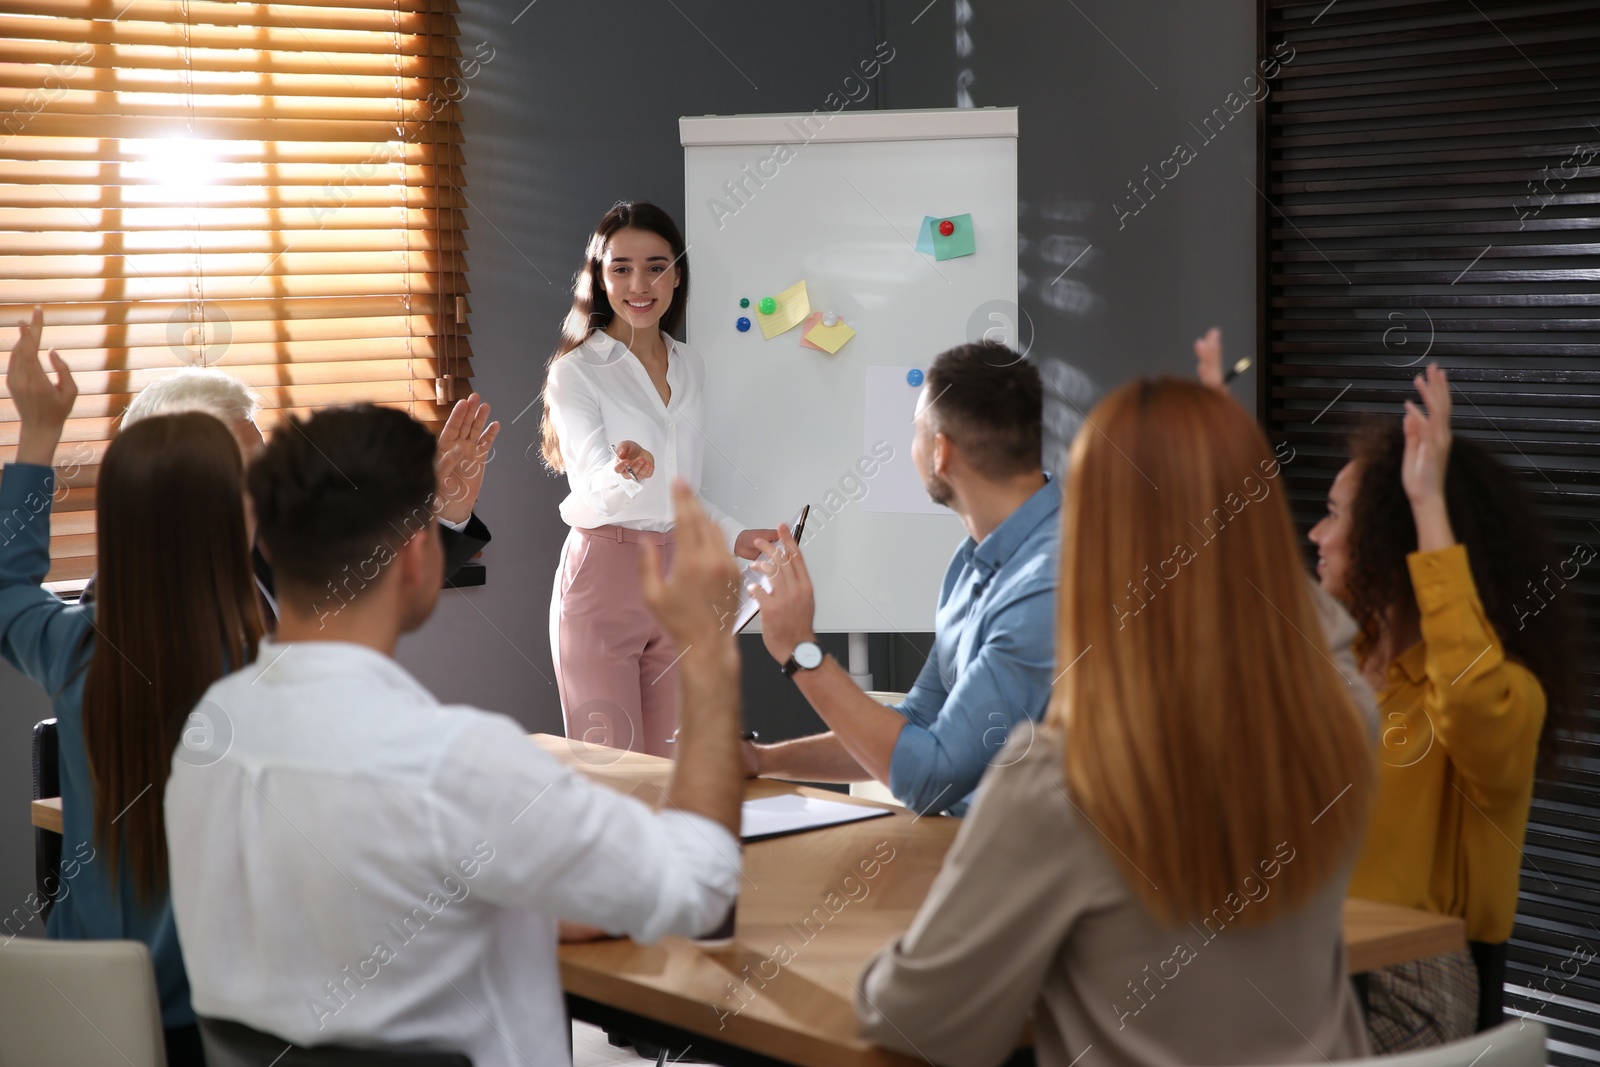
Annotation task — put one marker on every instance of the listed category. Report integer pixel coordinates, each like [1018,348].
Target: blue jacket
[51,642]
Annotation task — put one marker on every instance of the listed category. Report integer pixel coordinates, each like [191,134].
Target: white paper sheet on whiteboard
[790,813]
[890,403]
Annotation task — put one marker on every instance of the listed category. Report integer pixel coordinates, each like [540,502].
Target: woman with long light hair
[1159,870]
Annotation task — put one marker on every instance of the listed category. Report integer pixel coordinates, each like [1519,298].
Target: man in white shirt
[354,863]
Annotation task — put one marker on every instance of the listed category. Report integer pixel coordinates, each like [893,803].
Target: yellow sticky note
[793,305]
[830,338]
[805,328]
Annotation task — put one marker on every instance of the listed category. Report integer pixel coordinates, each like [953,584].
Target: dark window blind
[1430,180]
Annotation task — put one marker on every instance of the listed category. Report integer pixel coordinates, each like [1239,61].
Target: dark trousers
[183,1047]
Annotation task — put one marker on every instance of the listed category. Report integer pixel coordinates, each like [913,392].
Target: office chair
[87,1003]
[46,843]
[232,1044]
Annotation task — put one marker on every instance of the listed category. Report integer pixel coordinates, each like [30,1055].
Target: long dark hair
[1508,548]
[590,308]
[175,610]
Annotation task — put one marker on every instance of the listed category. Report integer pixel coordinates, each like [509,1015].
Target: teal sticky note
[925,236]
[959,243]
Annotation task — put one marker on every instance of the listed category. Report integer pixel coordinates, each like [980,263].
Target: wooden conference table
[742,1005]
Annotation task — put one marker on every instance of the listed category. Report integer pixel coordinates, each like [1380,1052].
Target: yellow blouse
[1458,738]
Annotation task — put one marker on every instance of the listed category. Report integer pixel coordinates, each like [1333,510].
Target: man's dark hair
[990,402]
[342,489]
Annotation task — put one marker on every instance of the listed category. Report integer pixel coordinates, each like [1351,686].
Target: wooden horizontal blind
[1431,180]
[269,189]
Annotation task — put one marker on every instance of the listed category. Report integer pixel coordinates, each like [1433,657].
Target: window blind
[274,190]
[1430,179]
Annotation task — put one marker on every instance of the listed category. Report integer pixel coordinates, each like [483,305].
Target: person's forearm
[866,729]
[1433,524]
[707,778]
[818,758]
[37,444]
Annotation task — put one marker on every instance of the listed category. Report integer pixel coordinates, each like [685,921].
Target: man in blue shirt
[977,444]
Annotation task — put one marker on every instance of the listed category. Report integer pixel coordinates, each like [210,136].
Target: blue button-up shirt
[992,660]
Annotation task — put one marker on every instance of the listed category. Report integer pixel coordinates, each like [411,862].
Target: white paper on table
[790,813]
[890,403]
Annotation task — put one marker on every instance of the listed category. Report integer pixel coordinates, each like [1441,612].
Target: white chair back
[87,1003]
[1515,1044]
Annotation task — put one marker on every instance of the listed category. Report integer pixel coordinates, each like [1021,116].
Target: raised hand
[1427,436]
[1427,459]
[788,609]
[694,601]
[464,446]
[1208,360]
[42,405]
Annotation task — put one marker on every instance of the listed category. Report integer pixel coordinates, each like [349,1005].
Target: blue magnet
[743,324]
[913,377]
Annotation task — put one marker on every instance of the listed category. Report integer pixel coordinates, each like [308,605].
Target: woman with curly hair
[1435,548]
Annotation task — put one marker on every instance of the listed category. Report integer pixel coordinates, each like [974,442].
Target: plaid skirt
[1422,1004]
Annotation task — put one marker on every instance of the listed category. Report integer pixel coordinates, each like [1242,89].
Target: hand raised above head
[1427,429]
[464,446]
[1208,360]
[42,405]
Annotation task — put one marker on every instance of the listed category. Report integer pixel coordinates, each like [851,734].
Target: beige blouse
[1031,914]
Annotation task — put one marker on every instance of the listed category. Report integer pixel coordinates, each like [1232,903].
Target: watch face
[808,656]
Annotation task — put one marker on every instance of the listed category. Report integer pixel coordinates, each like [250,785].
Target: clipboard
[748,607]
[791,813]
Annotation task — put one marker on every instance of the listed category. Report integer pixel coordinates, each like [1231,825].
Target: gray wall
[578,108]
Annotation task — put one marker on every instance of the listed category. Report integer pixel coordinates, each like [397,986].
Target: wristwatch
[805,657]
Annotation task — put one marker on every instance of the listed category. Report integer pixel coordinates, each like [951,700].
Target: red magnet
[947,227]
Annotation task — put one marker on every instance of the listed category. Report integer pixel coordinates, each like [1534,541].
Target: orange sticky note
[829,338]
[805,328]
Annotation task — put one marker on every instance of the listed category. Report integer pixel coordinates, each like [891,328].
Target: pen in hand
[626,470]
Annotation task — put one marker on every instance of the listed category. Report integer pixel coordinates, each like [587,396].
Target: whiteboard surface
[785,424]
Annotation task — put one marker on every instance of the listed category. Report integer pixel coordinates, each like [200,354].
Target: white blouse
[600,395]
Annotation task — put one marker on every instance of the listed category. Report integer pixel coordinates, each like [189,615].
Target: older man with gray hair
[464,445]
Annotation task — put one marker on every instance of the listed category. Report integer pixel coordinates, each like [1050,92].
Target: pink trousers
[615,668]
